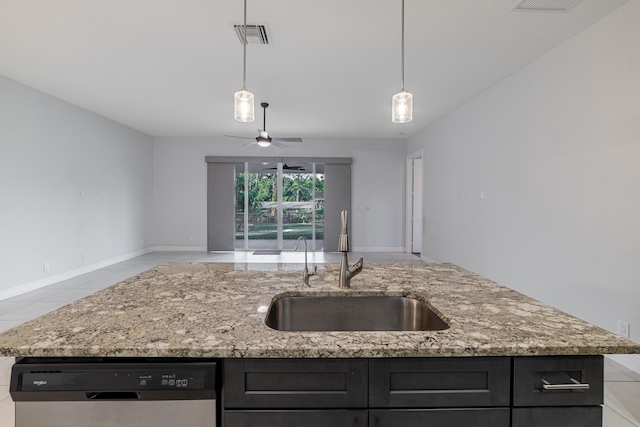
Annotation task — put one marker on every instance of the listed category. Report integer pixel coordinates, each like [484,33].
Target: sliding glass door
[278,202]
[303,205]
[256,225]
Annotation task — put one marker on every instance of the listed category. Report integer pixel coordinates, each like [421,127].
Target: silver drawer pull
[576,385]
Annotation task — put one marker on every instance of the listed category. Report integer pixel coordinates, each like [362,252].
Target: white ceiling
[170,67]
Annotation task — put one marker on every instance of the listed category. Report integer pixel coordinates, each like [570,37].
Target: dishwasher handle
[113,395]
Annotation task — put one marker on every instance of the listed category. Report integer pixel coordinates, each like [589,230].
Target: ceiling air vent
[256,33]
[549,6]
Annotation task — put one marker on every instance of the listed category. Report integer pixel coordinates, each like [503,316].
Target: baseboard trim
[180,249]
[50,280]
[629,361]
[168,248]
[378,249]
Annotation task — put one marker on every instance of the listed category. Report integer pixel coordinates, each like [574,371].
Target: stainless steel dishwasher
[115,392]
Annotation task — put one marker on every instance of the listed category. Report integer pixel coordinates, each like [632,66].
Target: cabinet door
[291,418]
[440,382]
[295,383]
[530,374]
[478,417]
[578,416]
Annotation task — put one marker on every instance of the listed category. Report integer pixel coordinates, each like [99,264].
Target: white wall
[49,151]
[180,178]
[556,149]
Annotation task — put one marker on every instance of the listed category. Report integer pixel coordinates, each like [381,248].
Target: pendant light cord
[402,49]
[244,52]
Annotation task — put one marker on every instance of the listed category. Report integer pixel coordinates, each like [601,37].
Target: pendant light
[402,102]
[243,104]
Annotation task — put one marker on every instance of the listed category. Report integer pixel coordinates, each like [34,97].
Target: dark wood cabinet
[295,383]
[438,392]
[296,418]
[572,416]
[558,391]
[440,382]
[570,381]
[476,417]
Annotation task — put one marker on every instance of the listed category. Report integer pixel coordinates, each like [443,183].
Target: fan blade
[288,139]
[249,143]
[240,137]
[277,144]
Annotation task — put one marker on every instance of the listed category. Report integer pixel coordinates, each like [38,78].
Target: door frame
[409,199]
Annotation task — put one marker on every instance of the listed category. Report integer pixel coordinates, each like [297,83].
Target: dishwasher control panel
[113,379]
[138,379]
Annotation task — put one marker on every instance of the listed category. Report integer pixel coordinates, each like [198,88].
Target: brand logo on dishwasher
[39,383]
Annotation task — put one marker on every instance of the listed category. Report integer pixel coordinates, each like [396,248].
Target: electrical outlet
[84,257]
[46,266]
[623,329]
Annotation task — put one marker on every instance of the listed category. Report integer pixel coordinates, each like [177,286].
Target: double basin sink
[352,313]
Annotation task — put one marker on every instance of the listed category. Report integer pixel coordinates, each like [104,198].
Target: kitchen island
[485,369]
[217,310]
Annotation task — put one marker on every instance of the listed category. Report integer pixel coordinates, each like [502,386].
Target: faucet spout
[305,272]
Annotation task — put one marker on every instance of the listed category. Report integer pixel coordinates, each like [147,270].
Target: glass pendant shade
[402,107]
[243,106]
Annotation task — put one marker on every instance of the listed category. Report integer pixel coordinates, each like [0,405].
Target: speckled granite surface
[211,310]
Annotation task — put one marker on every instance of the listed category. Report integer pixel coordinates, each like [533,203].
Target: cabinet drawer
[578,416]
[291,418]
[477,417]
[439,382]
[295,383]
[530,374]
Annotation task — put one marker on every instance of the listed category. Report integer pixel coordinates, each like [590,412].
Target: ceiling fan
[263,139]
[289,168]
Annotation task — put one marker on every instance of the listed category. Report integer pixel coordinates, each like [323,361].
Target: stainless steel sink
[352,313]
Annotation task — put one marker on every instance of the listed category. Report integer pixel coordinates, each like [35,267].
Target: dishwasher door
[196,413]
[114,393]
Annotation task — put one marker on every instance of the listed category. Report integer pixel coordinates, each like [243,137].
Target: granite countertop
[212,310]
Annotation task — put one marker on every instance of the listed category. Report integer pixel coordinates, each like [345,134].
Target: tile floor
[622,386]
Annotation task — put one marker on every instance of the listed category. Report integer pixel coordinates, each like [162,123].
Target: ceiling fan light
[264,142]
[402,107]
[243,106]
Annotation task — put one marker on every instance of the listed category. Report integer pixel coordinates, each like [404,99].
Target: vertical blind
[337,197]
[220,206]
